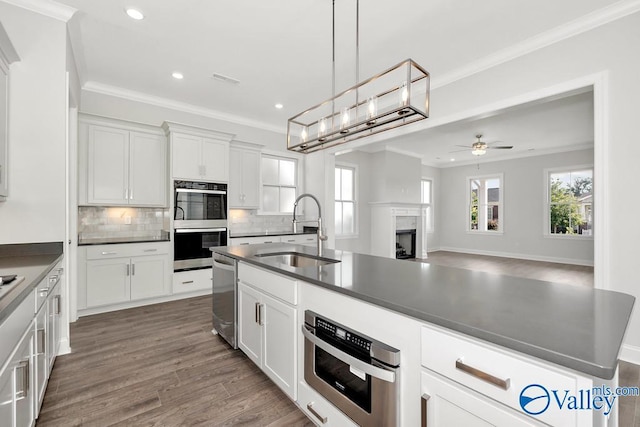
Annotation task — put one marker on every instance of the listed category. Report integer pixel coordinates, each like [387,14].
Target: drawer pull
[40,342]
[187,282]
[23,392]
[269,241]
[244,244]
[424,400]
[322,419]
[44,291]
[109,253]
[150,250]
[257,310]
[503,384]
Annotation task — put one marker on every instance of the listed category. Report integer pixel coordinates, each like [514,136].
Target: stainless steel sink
[297,259]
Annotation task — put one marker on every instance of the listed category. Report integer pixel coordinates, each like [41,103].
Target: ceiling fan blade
[464,146]
[501,147]
[459,151]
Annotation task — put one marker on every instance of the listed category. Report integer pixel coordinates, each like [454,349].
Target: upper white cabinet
[7,56]
[198,154]
[244,176]
[122,164]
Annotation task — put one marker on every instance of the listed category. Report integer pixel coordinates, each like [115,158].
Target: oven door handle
[192,190]
[199,230]
[374,371]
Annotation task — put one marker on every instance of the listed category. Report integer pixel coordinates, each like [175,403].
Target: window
[279,184]
[345,194]
[570,202]
[485,203]
[427,198]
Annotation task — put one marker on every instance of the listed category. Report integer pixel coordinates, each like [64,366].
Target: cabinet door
[451,404]
[108,281]
[108,169]
[149,276]
[235,189]
[147,170]
[215,160]
[53,328]
[251,179]
[279,343]
[250,331]
[186,154]
[40,354]
[23,382]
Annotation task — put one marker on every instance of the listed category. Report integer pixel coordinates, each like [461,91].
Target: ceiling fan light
[478,151]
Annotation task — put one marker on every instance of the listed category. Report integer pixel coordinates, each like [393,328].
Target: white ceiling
[281,50]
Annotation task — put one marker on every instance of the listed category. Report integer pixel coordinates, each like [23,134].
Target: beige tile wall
[106,222]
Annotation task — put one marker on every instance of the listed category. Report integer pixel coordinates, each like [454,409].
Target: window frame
[296,186]
[356,223]
[546,230]
[501,205]
[430,221]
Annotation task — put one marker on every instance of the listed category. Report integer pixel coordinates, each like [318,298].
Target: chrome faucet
[321,237]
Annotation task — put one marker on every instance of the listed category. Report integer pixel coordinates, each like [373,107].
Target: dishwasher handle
[223,265]
[374,371]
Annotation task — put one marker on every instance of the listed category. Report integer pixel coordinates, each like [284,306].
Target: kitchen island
[561,328]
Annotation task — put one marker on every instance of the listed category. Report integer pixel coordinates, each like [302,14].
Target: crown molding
[131,95]
[564,31]
[170,127]
[8,53]
[49,8]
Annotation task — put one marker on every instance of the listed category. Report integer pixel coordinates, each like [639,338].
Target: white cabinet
[7,56]
[445,403]
[23,390]
[301,239]
[237,241]
[121,273]
[244,178]
[121,165]
[192,281]
[318,409]
[198,154]
[267,324]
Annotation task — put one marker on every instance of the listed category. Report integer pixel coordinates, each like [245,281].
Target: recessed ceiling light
[279,106]
[177,75]
[135,14]
[452,160]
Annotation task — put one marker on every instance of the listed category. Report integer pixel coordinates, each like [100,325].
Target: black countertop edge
[605,370]
[269,233]
[27,249]
[117,241]
[46,255]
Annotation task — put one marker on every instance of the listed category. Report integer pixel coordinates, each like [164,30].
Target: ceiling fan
[479,148]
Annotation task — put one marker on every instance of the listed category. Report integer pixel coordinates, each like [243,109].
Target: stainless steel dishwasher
[225,290]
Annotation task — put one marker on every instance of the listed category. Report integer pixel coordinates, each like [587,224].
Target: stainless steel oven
[199,222]
[356,373]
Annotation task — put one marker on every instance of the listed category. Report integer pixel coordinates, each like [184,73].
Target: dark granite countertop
[268,233]
[163,237]
[575,327]
[33,261]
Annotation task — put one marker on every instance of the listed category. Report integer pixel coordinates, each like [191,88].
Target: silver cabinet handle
[244,243]
[292,240]
[260,308]
[268,241]
[126,193]
[499,382]
[109,253]
[127,269]
[44,291]
[133,269]
[58,309]
[322,419]
[424,400]
[59,271]
[374,371]
[257,312]
[187,282]
[23,392]
[131,195]
[150,250]
[40,341]
[53,279]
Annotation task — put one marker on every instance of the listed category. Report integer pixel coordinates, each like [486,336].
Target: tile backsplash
[248,221]
[103,222]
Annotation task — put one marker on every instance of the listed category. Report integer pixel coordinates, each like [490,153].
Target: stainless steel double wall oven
[200,222]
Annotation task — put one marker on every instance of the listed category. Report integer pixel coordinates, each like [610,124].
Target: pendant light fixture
[395,97]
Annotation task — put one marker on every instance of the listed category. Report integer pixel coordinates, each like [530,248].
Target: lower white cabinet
[241,241]
[267,332]
[192,280]
[445,403]
[117,274]
[318,409]
[301,239]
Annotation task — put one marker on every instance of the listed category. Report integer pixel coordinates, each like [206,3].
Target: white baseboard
[630,353]
[65,348]
[588,263]
[133,304]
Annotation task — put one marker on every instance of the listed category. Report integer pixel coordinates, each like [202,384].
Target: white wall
[523,211]
[361,243]
[35,208]
[396,177]
[433,173]
[125,109]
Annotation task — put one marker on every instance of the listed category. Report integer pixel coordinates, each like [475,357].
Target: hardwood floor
[548,271]
[160,365]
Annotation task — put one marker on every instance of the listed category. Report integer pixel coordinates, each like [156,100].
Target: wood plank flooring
[160,365]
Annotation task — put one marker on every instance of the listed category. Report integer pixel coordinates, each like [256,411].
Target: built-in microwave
[199,204]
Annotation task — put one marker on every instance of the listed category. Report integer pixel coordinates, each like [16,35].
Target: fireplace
[406,244]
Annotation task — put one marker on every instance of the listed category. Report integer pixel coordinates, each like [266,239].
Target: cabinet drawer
[304,239]
[126,250]
[192,280]
[318,409]
[482,368]
[237,241]
[274,284]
